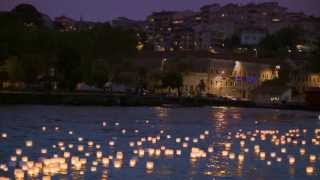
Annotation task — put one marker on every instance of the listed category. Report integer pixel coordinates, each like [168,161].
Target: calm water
[175,129]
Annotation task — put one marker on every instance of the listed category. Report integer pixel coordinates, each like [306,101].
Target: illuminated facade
[229,78]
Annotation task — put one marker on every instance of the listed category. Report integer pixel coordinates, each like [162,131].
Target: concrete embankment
[100,99]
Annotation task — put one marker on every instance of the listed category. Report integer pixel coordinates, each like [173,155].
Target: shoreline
[101,99]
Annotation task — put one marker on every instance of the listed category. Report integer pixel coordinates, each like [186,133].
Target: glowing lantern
[225,153]
[19,174]
[232,156]
[292,160]
[309,170]
[105,161]
[240,157]
[117,163]
[149,165]
[29,143]
[262,155]
[132,162]
[119,155]
[99,154]
[312,158]
[111,143]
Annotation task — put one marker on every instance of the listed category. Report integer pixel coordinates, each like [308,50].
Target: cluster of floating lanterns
[87,155]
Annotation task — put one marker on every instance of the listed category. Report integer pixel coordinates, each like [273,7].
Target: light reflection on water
[25,122]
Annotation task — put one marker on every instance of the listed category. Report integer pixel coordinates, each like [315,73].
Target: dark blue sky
[103,10]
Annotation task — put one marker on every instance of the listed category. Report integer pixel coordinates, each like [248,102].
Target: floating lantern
[94,163]
[242,143]
[29,143]
[80,139]
[131,144]
[111,143]
[184,145]
[13,158]
[80,148]
[302,151]
[232,156]
[44,128]
[210,149]
[24,158]
[19,174]
[4,135]
[178,140]
[99,154]
[283,150]
[202,136]
[46,178]
[93,169]
[104,124]
[119,155]
[105,161]
[312,158]
[98,146]
[206,132]
[66,154]
[132,162]
[90,143]
[262,155]
[168,152]
[140,152]
[70,132]
[151,151]
[117,163]
[269,163]
[273,154]
[225,153]
[292,160]
[178,152]
[241,157]
[309,170]
[195,140]
[149,165]
[279,159]
[158,152]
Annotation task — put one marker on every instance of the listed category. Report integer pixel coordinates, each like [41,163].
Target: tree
[28,14]
[278,44]
[201,86]
[314,59]
[173,80]
[15,69]
[68,65]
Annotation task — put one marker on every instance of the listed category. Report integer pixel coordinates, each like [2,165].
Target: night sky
[103,10]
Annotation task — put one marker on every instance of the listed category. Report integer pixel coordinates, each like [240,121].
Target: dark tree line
[29,49]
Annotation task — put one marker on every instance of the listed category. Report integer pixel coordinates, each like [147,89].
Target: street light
[163,61]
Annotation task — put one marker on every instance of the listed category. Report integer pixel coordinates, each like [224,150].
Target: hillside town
[262,53]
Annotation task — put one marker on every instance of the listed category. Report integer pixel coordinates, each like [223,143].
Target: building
[235,79]
[252,36]
[65,24]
